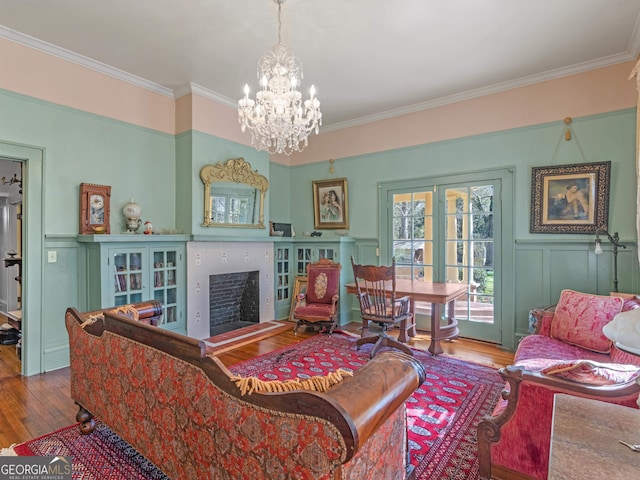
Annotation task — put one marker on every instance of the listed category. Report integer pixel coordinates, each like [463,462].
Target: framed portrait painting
[570,198]
[95,201]
[330,204]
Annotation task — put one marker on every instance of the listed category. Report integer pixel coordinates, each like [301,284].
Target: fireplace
[234,301]
[212,258]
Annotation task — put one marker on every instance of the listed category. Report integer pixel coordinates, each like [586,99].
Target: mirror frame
[233,170]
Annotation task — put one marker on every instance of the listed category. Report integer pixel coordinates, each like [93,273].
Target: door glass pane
[469,249]
[412,235]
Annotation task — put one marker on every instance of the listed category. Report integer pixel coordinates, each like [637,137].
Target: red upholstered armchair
[319,305]
[567,353]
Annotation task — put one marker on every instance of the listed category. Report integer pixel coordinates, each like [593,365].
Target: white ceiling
[368,59]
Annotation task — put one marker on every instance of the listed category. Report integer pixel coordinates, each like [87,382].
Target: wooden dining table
[439,295]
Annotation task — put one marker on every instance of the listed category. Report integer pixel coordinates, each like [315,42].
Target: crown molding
[491,89]
[188,88]
[70,56]
[631,54]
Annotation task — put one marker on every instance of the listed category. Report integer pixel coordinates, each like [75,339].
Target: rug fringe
[8,452]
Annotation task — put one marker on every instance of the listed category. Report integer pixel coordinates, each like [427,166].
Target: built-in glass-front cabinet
[292,258]
[120,272]
[283,279]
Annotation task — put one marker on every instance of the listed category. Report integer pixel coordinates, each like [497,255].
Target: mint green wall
[74,147]
[600,138]
[82,147]
[543,264]
[162,173]
[185,185]
[280,192]
[194,150]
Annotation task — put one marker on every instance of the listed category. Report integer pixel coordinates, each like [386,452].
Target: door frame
[506,175]
[32,251]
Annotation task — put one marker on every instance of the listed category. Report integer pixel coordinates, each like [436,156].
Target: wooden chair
[376,290]
[319,304]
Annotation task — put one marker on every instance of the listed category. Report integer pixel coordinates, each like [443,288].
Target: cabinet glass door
[311,254]
[328,253]
[165,288]
[127,277]
[282,273]
[303,258]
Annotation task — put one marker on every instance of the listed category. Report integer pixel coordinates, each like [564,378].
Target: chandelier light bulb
[279,119]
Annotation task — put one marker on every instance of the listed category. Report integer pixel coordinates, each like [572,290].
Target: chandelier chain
[279,22]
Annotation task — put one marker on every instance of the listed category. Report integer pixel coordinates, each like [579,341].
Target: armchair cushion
[538,348]
[579,318]
[593,373]
[321,311]
[323,284]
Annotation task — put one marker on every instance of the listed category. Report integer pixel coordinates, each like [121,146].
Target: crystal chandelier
[278,119]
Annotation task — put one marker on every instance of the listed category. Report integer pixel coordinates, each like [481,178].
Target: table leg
[365,328]
[434,346]
[408,327]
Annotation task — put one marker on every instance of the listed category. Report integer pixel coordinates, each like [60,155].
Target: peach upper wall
[597,91]
[31,72]
[213,118]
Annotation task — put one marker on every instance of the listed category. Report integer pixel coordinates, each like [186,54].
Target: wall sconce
[615,241]
[13,180]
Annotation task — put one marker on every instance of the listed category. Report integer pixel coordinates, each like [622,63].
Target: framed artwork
[299,286]
[330,204]
[95,205]
[570,198]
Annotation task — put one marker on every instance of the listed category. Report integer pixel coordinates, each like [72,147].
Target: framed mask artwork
[95,207]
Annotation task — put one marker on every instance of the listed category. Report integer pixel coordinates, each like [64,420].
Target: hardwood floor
[36,405]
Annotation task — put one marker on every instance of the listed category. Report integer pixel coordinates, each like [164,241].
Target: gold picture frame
[330,204]
[299,286]
[95,208]
[570,198]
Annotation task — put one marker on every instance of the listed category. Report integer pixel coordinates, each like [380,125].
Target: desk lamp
[615,240]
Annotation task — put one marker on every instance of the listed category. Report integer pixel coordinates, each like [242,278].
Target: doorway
[32,160]
[452,229]
[11,274]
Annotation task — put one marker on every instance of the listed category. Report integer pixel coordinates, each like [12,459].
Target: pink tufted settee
[567,353]
[180,408]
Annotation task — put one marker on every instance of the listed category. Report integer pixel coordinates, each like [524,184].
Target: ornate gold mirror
[233,195]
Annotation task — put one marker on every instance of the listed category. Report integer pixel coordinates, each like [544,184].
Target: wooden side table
[585,440]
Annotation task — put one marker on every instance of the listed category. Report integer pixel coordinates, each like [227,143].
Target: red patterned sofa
[567,353]
[178,406]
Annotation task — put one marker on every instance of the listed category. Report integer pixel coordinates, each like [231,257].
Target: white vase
[132,212]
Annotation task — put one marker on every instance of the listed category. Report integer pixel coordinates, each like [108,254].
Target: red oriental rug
[103,455]
[443,413]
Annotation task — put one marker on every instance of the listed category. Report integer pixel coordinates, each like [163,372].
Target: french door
[446,232]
